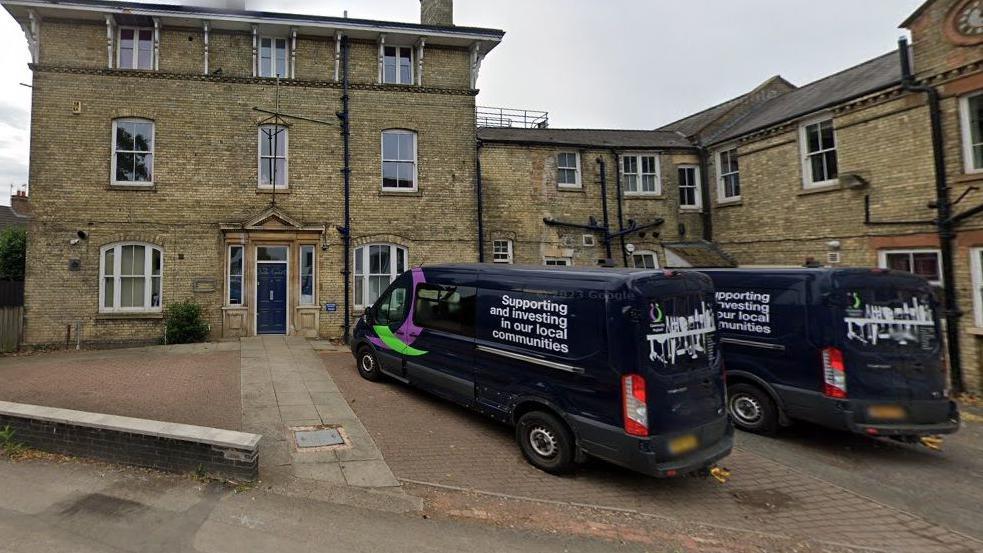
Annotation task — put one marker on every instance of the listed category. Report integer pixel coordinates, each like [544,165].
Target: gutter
[945,223]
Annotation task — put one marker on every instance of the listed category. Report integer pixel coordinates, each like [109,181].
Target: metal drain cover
[318,438]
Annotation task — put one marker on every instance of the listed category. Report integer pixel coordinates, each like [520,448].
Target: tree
[13,251]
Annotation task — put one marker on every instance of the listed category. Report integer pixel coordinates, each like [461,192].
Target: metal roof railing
[508,117]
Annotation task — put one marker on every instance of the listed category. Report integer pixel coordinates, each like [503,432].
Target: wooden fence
[11,315]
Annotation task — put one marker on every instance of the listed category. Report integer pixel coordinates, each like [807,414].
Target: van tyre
[368,365]
[752,409]
[546,442]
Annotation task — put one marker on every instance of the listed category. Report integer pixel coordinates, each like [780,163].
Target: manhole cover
[318,438]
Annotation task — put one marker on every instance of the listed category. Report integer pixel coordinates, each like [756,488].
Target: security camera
[73,241]
[82,234]
[833,244]
[629,248]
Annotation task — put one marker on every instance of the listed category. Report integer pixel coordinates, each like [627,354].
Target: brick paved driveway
[192,384]
[427,440]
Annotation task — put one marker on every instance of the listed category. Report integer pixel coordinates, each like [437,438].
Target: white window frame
[563,261]
[148,276]
[259,157]
[136,48]
[300,275]
[882,259]
[285,74]
[382,67]
[363,250]
[153,147]
[228,277]
[640,174]
[806,155]
[655,258]
[722,196]
[508,251]
[976,265]
[576,168]
[697,187]
[382,152]
[967,136]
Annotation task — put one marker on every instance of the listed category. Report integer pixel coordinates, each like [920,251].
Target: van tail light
[636,409]
[834,373]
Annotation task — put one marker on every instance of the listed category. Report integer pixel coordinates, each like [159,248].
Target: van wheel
[368,365]
[752,409]
[545,442]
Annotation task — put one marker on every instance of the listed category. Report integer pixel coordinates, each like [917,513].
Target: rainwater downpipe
[707,214]
[479,201]
[346,230]
[604,206]
[621,211]
[944,224]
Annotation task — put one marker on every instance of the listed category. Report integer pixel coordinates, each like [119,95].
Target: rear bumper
[651,455]
[922,417]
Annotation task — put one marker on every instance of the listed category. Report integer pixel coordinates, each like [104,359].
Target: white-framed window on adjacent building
[130,276]
[640,174]
[307,274]
[376,266]
[557,261]
[971,114]
[235,275]
[924,262]
[135,48]
[818,142]
[399,160]
[728,176]
[133,152]
[568,170]
[272,148]
[976,265]
[397,65]
[502,251]
[644,259]
[274,57]
[689,187]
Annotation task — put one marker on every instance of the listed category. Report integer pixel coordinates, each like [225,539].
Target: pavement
[75,507]
[284,389]
[192,384]
[433,444]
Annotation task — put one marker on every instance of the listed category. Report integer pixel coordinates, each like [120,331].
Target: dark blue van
[622,365]
[852,349]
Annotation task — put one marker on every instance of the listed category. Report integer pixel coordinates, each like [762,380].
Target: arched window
[130,277]
[399,160]
[273,168]
[133,152]
[644,259]
[376,265]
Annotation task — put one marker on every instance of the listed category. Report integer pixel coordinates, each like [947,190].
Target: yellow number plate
[886,412]
[683,444]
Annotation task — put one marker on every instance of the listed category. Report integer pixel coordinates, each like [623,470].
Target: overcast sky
[590,63]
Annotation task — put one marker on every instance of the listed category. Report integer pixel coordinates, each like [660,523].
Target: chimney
[20,205]
[439,13]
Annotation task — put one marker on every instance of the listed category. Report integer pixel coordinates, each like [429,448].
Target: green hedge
[184,323]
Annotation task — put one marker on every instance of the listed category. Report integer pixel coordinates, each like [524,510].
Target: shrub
[184,323]
[13,250]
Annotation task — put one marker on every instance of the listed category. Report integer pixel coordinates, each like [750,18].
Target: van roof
[821,272]
[590,273]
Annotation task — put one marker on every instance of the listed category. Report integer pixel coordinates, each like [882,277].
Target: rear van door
[889,334]
[679,353]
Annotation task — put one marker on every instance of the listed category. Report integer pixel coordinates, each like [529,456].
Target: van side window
[393,305]
[446,308]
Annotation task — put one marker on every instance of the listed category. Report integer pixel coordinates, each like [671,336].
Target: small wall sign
[331,307]
[204,285]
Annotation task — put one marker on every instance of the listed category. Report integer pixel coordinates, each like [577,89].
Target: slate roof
[10,219]
[598,138]
[877,74]
[701,254]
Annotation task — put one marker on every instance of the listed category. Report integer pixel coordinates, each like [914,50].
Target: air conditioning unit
[589,240]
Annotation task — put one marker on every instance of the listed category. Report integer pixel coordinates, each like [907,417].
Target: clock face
[966,23]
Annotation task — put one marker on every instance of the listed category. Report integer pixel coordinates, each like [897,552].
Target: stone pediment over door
[273,218]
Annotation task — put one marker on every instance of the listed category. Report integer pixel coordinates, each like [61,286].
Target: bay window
[130,278]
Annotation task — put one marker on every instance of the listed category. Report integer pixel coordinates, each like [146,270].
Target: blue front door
[271,298]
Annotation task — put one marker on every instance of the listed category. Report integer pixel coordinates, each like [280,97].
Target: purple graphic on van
[402,339]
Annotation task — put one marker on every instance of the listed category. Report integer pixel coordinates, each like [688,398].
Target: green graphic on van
[857,303]
[656,314]
[394,343]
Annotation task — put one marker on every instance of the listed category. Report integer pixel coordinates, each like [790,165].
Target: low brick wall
[154,444]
